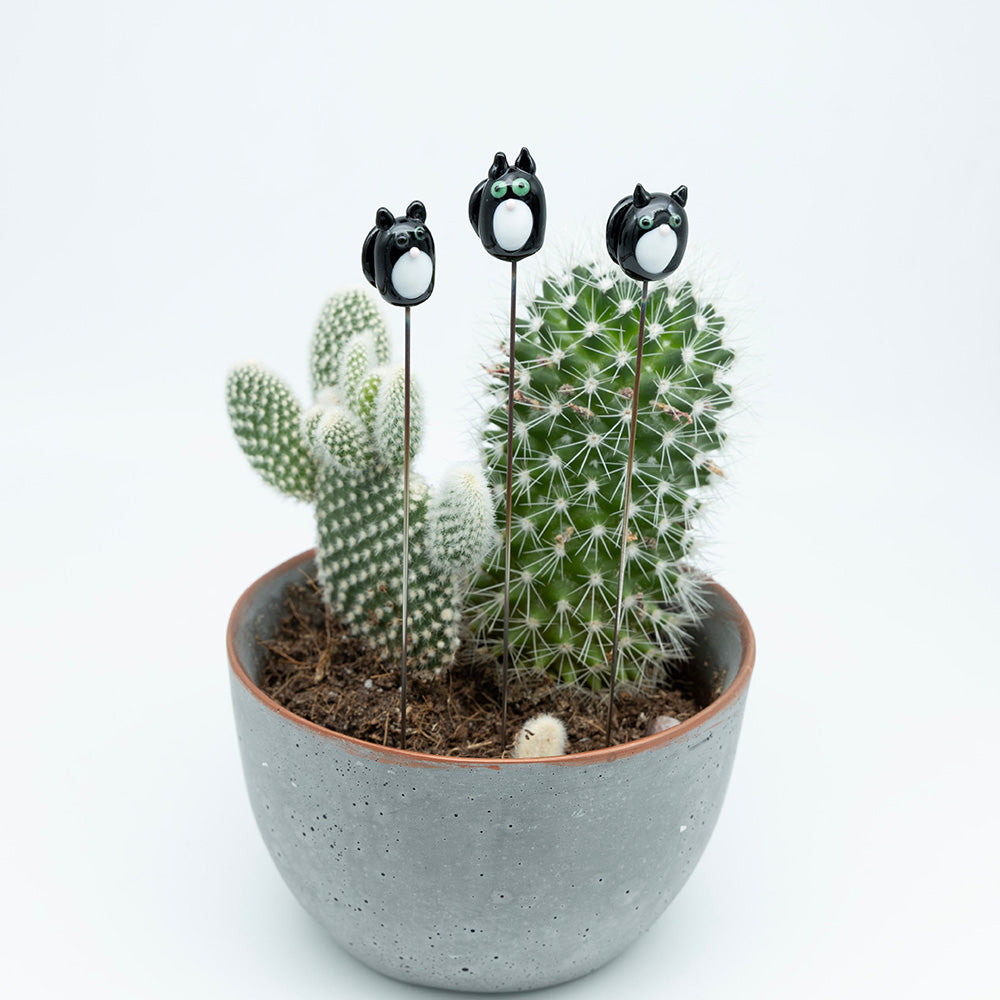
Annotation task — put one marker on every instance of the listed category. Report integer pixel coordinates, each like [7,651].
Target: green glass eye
[420,233]
[499,189]
[675,221]
[646,222]
[521,187]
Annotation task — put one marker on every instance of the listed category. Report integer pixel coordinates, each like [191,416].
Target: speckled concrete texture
[484,875]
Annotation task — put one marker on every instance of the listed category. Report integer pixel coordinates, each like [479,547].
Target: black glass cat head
[398,256]
[507,210]
[647,233]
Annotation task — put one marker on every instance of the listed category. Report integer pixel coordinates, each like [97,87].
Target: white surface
[182,184]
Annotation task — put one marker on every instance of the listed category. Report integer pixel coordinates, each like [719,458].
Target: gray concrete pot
[483,874]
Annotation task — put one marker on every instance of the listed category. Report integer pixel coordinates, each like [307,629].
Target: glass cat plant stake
[646,237]
[398,259]
[507,211]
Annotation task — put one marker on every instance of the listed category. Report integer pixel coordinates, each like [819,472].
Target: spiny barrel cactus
[575,370]
[345,453]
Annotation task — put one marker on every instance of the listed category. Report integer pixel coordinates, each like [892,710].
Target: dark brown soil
[317,670]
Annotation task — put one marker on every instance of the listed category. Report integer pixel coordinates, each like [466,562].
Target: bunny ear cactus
[574,375]
[345,454]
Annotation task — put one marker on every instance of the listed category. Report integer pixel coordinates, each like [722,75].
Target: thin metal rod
[510,472]
[625,505]
[406,526]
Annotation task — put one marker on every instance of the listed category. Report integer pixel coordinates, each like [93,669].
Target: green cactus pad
[343,317]
[266,420]
[346,453]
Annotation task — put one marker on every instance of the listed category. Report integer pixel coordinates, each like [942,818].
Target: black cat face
[647,233]
[507,210]
[398,256]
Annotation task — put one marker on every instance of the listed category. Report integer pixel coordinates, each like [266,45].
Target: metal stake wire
[625,505]
[406,525]
[510,472]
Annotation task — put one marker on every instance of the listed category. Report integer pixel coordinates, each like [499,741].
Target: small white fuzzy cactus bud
[460,520]
[355,364]
[542,736]
[344,316]
[389,410]
[367,398]
[341,440]
[309,422]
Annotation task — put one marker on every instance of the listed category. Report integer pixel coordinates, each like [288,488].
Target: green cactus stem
[575,368]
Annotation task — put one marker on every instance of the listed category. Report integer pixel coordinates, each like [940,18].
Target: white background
[181,185]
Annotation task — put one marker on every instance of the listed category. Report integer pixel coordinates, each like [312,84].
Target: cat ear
[384,219]
[524,161]
[499,166]
[680,195]
[640,197]
[416,210]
